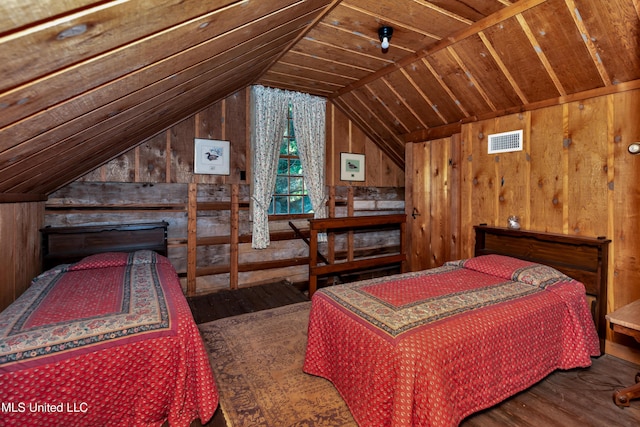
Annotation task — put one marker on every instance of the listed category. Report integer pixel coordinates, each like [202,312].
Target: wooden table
[626,320]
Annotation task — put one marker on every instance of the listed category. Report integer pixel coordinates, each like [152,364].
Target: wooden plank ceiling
[84,81]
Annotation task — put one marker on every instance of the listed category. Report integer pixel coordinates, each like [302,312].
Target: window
[290,195]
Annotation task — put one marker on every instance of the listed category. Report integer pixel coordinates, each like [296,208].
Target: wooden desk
[626,320]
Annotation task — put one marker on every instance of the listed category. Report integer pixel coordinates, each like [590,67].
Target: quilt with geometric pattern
[430,348]
[109,340]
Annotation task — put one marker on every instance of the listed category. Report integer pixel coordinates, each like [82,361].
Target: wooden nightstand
[626,320]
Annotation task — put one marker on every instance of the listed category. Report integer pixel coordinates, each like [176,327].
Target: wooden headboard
[582,258]
[63,245]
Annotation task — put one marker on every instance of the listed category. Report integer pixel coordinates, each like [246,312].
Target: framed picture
[211,156]
[351,167]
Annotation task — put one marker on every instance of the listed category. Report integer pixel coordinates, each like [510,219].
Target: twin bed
[430,348]
[106,340]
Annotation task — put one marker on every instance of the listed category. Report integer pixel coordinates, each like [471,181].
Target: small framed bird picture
[211,157]
[351,167]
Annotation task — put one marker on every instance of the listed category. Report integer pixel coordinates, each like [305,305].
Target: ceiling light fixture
[385,33]
[634,148]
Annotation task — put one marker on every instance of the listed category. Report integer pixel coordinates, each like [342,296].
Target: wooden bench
[626,320]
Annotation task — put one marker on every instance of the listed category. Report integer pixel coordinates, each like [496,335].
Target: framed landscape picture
[211,157]
[351,167]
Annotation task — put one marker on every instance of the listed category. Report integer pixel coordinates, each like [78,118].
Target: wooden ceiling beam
[591,47]
[505,71]
[497,17]
[541,55]
[22,197]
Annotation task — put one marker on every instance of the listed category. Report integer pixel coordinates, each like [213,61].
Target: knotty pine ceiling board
[479,61]
[114,99]
[18,13]
[91,32]
[473,10]
[565,48]
[378,109]
[397,109]
[324,78]
[153,115]
[614,29]
[442,102]
[357,109]
[194,41]
[137,89]
[414,98]
[522,61]
[459,82]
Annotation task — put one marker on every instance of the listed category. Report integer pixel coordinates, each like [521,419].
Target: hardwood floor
[579,397]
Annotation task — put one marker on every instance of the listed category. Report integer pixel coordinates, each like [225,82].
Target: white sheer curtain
[309,123]
[269,114]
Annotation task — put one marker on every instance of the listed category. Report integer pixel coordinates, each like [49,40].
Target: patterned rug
[257,362]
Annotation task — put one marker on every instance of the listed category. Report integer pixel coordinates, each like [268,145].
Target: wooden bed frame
[63,245]
[582,258]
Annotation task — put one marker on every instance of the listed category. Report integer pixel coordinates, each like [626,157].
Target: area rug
[257,362]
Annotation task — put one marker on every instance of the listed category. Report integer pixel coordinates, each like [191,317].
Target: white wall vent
[505,142]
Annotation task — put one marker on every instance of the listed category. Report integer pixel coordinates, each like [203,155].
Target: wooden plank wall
[21,248]
[574,176]
[152,181]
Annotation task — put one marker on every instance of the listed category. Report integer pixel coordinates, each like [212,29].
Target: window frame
[289,135]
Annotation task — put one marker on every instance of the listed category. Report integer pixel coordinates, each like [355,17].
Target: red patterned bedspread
[432,347]
[108,341]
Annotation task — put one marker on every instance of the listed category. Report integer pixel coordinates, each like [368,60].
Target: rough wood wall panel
[440,205]
[484,201]
[511,189]
[547,170]
[152,165]
[588,163]
[21,249]
[626,204]
[581,181]
[235,125]
[181,138]
[418,219]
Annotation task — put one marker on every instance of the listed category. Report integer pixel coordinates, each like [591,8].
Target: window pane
[283,167]
[282,185]
[295,167]
[281,204]
[293,147]
[297,185]
[270,211]
[284,147]
[295,205]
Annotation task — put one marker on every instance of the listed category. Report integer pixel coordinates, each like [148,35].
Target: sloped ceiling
[84,81]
